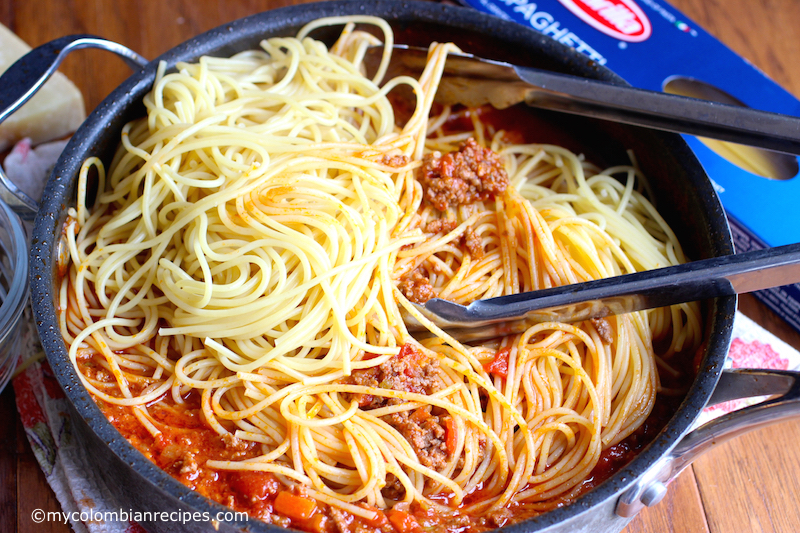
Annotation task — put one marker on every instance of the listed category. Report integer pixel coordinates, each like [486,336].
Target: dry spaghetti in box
[654,46]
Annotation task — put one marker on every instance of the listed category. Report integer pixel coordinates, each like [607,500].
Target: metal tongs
[709,278]
[474,81]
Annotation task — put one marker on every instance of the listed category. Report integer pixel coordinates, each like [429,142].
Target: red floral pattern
[51,383]
[133,527]
[30,412]
[755,354]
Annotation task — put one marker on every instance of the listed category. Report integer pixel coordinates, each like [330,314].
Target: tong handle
[697,280]
[783,387]
[651,109]
[475,81]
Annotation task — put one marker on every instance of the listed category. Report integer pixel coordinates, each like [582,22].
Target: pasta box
[654,46]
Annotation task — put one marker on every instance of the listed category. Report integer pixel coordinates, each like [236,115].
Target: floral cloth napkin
[43,407]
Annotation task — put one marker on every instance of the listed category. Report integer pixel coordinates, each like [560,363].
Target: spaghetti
[253,245]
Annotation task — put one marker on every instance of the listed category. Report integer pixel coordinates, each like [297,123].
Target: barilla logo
[621,19]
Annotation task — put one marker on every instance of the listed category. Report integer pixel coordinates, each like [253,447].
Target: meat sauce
[468,175]
[429,431]
[186,443]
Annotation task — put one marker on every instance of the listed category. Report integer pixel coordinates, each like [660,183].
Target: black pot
[683,192]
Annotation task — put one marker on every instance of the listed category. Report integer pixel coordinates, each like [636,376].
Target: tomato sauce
[184,446]
[186,443]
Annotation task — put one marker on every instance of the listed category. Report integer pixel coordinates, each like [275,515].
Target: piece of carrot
[411,352]
[295,507]
[419,415]
[403,522]
[499,364]
[450,435]
[378,520]
[318,523]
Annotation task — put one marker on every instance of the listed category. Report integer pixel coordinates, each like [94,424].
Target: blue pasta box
[654,46]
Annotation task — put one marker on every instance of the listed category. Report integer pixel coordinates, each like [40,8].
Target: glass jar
[13,289]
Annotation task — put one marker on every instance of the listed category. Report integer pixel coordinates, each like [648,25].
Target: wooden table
[749,485]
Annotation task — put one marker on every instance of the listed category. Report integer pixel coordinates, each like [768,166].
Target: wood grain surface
[751,484]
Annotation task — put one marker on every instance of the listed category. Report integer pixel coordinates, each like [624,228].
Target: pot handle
[27,75]
[782,385]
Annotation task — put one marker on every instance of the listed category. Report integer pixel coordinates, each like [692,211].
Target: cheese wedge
[55,111]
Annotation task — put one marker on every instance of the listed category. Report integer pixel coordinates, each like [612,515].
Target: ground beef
[603,329]
[417,287]
[279,520]
[394,490]
[395,160]
[471,174]
[441,225]
[188,465]
[409,371]
[473,243]
[239,447]
[342,520]
[425,433]
[500,517]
